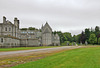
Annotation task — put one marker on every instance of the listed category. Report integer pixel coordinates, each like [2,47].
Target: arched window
[1,40]
[5,28]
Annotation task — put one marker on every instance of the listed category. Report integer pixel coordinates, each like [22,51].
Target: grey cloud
[64,15]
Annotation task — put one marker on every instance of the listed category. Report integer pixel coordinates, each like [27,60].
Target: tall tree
[82,38]
[87,34]
[93,39]
[99,41]
[97,32]
[97,29]
[92,30]
[68,36]
[76,38]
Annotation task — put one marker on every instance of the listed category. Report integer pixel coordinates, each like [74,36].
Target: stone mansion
[12,36]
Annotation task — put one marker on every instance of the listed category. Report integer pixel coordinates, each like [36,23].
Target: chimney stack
[4,19]
[16,22]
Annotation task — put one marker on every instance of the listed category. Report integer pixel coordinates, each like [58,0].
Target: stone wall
[9,42]
[29,42]
[47,39]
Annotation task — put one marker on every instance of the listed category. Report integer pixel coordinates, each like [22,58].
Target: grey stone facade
[6,41]
[47,37]
[11,35]
[30,38]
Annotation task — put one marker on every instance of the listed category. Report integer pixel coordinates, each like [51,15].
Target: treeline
[30,28]
[89,36]
[92,36]
[64,37]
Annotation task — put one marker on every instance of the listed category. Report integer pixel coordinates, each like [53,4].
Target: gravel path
[39,50]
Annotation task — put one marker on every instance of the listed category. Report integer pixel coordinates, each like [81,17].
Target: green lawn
[76,58]
[25,48]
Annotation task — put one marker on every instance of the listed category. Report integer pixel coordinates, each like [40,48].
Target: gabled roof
[46,31]
[7,24]
[46,25]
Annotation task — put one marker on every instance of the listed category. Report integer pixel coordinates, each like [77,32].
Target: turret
[4,19]
[16,22]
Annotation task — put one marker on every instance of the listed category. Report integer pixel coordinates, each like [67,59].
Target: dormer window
[5,28]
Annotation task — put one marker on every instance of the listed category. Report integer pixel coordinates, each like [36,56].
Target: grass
[12,60]
[25,48]
[76,58]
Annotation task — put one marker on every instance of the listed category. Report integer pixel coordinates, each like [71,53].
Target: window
[1,40]
[5,28]
[29,32]
[29,36]
[9,29]
[32,32]
[24,32]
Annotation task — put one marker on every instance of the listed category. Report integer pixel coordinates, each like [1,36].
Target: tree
[76,38]
[92,31]
[99,41]
[23,29]
[68,36]
[87,34]
[97,29]
[82,38]
[97,32]
[64,36]
[32,28]
[93,39]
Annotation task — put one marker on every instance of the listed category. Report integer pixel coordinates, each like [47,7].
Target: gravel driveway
[39,50]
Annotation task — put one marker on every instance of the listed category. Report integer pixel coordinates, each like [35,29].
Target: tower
[46,35]
[16,22]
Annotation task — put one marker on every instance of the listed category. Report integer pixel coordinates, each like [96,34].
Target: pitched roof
[47,25]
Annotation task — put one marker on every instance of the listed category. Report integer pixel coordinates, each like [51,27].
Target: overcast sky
[62,15]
